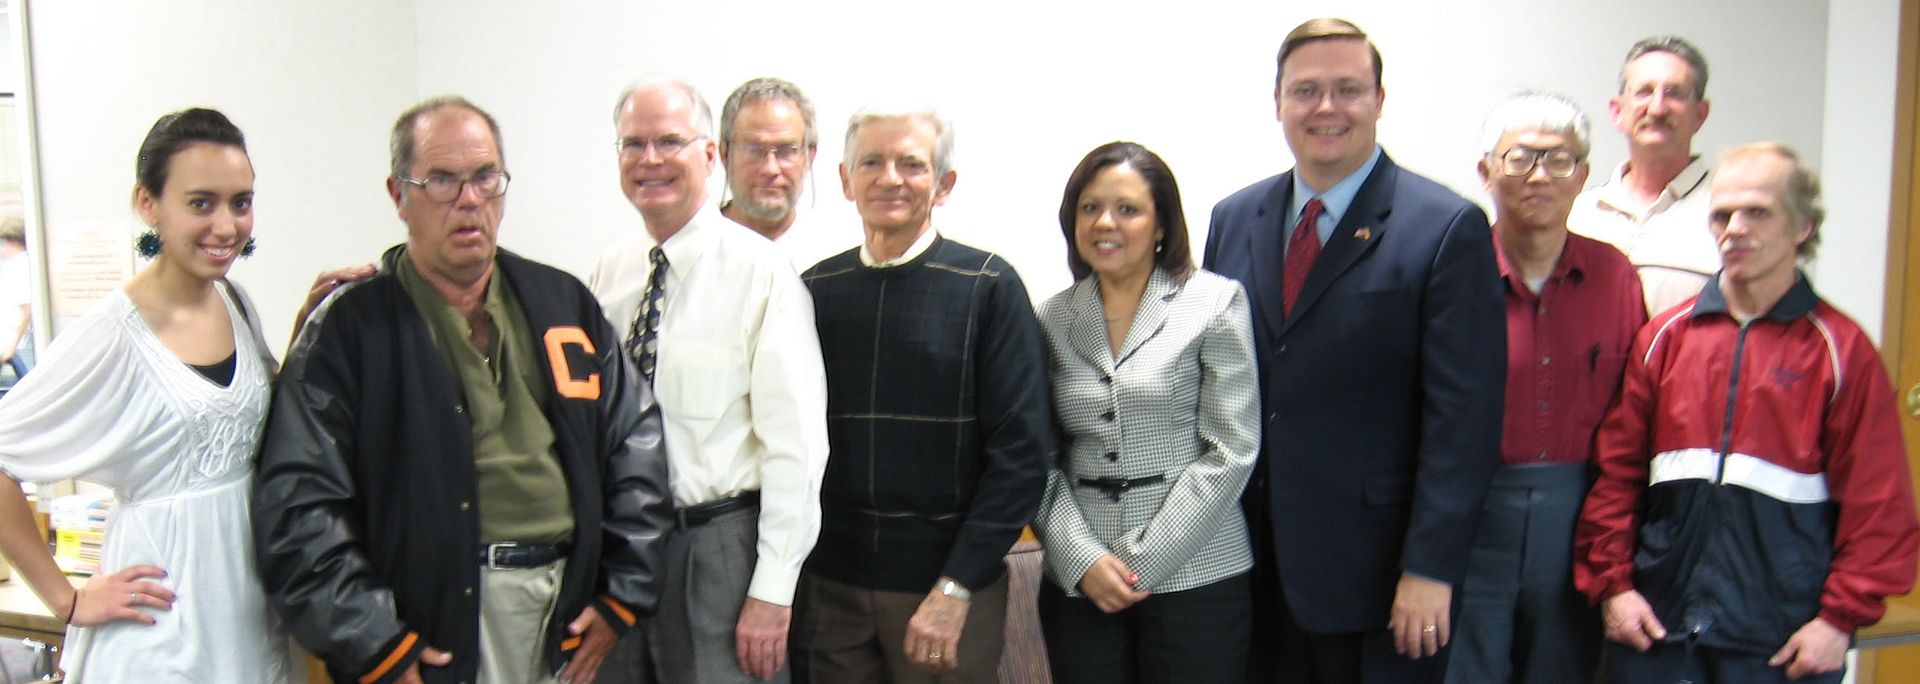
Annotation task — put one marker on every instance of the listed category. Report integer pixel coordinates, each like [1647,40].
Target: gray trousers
[1520,618]
[690,639]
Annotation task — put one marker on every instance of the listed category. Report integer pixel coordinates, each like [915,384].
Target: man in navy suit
[1381,339]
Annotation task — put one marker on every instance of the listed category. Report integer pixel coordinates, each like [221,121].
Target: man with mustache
[1752,507]
[1654,207]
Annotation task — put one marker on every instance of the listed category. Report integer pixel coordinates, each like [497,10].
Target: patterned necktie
[1302,249]
[643,342]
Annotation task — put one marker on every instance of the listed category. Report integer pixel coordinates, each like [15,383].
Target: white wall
[1032,85]
[1862,49]
[314,86]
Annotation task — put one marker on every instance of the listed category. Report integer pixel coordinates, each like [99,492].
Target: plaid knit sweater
[937,414]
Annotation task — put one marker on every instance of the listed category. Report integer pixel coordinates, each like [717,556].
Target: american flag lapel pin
[1363,233]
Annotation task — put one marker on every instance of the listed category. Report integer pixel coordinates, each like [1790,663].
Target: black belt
[1115,486]
[701,514]
[509,555]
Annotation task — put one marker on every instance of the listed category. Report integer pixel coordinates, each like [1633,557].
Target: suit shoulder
[1251,195]
[1426,190]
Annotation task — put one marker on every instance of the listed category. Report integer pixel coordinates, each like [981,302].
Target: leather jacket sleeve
[639,505]
[308,548]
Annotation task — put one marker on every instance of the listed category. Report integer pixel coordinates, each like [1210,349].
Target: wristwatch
[953,590]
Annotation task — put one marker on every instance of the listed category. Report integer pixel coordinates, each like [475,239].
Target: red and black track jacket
[1751,477]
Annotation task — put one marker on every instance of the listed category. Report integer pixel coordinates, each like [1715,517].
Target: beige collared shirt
[1668,240]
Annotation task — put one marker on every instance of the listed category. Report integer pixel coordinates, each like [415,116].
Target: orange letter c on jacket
[557,339]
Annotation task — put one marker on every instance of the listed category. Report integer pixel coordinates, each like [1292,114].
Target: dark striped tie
[643,342]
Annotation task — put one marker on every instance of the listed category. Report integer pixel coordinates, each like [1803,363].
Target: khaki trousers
[515,606]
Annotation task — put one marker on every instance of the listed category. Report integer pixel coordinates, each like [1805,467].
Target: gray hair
[943,132]
[1673,45]
[767,89]
[1803,189]
[401,143]
[702,114]
[1535,110]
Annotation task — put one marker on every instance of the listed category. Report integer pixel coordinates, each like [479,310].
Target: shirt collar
[1335,200]
[919,246]
[1571,264]
[1692,178]
[685,247]
[1800,300]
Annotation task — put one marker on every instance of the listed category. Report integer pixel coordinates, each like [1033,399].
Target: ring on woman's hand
[933,656]
[133,598]
[1430,629]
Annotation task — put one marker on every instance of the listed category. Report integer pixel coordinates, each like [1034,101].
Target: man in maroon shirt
[1573,305]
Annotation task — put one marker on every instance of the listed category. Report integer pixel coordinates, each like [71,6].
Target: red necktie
[1302,249]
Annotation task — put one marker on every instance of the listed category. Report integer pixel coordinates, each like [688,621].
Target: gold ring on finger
[1430,629]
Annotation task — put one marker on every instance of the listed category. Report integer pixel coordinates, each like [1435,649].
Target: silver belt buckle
[493,548]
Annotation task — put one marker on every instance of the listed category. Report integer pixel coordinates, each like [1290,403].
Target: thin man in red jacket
[1753,506]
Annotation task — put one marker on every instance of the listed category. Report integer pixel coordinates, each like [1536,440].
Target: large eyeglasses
[667,145]
[1671,92]
[1559,162]
[446,187]
[785,155]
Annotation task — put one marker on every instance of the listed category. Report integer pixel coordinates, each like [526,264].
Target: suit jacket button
[1283,349]
[1108,416]
[1106,379]
[1113,455]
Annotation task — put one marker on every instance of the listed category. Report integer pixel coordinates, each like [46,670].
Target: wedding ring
[933,656]
[133,598]
[1429,629]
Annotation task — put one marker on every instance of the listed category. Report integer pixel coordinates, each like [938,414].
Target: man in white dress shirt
[717,319]
[1654,206]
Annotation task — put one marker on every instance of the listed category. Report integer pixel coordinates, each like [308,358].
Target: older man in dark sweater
[938,421]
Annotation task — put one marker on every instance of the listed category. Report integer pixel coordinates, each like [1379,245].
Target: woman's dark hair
[174,132]
[1172,254]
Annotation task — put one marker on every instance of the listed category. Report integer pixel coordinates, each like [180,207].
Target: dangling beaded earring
[147,244]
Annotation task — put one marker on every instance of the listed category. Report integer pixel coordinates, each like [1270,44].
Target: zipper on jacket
[1733,389]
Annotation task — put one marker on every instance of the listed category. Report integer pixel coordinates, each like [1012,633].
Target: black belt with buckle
[511,555]
[1115,486]
[701,514]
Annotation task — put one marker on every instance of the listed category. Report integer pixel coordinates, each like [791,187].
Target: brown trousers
[843,634]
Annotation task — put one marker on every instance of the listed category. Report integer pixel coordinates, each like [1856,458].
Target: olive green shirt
[523,492]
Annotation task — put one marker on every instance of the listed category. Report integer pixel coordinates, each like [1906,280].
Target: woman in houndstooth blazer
[1158,410]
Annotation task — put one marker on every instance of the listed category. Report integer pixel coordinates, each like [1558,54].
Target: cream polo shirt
[1667,240]
[741,388]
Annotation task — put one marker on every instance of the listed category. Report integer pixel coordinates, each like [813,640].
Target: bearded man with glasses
[717,321]
[767,142]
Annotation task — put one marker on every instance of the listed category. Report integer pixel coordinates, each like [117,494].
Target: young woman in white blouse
[159,393]
[1158,412]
